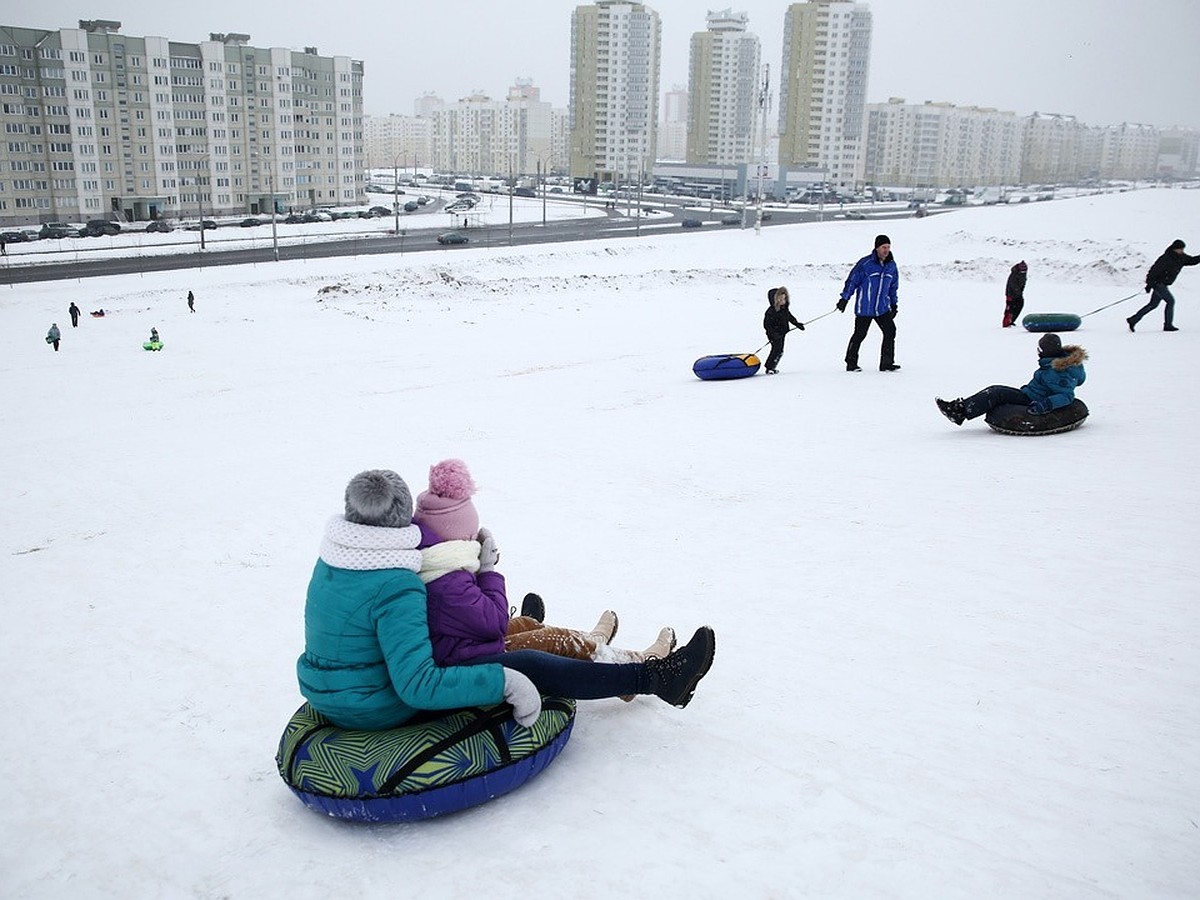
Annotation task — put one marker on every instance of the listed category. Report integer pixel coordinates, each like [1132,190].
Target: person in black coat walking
[191,302]
[777,322]
[1014,294]
[73,311]
[1161,275]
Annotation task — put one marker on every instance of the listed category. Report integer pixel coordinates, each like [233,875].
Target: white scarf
[448,556]
[348,545]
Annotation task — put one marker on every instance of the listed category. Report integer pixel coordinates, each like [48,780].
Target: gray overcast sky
[1104,61]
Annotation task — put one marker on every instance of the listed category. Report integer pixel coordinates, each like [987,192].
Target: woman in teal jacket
[368,660]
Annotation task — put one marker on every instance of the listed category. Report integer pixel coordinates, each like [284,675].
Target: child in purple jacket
[467,603]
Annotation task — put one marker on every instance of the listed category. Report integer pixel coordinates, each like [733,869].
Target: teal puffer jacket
[368,663]
[1057,377]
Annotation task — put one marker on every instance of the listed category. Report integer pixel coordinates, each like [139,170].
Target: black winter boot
[674,678]
[954,410]
[533,607]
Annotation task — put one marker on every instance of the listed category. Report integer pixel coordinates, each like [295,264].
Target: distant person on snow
[1158,280]
[53,336]
[1060,371]
[873,281]
[154,338]
[1014,294]
[191,302]
[368,660]
[777,322]
[73,312]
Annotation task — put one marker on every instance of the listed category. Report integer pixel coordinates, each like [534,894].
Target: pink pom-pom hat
[446,507]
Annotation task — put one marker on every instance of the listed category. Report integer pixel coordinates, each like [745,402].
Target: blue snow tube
[443,763]
[1051,322]
[1017,420]
[724,366]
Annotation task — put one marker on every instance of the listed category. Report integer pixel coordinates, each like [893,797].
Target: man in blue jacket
[873,282]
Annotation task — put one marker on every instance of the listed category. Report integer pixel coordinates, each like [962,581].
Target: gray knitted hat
[379,497]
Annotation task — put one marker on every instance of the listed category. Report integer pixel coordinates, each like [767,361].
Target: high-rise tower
[823,87]
[722,81]
[613,109]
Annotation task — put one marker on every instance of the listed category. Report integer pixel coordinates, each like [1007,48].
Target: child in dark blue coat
[1060,371]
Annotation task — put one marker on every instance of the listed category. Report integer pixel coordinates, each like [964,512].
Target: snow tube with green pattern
[152,345]
[442,763]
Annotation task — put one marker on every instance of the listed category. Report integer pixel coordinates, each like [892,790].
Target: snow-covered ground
[950,664]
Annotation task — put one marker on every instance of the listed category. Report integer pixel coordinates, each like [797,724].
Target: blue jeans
[989,398]
[575,678]
[1159,293]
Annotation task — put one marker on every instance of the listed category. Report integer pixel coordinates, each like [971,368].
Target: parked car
[97,227]
[856,214]
[691,223]
[58,230]
[422,200]
[411,206]
[380,211]
[734,219]
[206,224]
[452,237]
[251,222]
[12,237]
[32,234]
[525,192]
[161,226]
[293,219]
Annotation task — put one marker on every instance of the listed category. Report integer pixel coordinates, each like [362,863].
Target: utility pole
[764,105]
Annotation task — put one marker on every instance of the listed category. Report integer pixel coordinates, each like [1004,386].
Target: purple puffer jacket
[468,612]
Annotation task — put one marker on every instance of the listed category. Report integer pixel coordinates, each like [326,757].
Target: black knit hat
[1177,244]
[1050,345]
[882,239]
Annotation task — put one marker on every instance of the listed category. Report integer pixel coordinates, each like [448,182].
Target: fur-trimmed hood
[1073,355]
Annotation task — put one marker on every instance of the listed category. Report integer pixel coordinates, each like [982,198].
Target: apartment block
[403,142]
[722,90]
[520,135]
[613,107]
[823,88]
[673,126]
[941,145]
[100,124]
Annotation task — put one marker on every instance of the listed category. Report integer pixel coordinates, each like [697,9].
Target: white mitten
[489,555]
[524,698]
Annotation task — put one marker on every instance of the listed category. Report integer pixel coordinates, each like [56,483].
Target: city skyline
[1102,62]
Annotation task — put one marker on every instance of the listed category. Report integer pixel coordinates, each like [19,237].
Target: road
[616,224]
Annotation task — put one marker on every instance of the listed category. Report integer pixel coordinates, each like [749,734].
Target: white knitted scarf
[348,545]
[448,556]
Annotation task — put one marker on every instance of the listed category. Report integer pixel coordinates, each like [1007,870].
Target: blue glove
[1040,407]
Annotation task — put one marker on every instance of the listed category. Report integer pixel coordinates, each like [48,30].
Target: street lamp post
[396,191]
[270,187]
[274,234]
